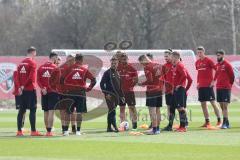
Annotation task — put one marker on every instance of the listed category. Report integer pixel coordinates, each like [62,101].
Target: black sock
[207,120]
[62,128]
[134,125]
[78,129]
[73,128]
[158,128]
[219,119]
[22,123]
[109,122]
[186,121]
[32,119]
[225,120]
[65,128]
[113,117]
[182,115]
[171,116]
[49,129]
[21,112]
[154,129]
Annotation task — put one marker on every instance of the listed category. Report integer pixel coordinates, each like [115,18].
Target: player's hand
[122,99]
[212,84]
[197,86]
[20,91]
[44,91]
[108,96]
[177,87]
[88,89]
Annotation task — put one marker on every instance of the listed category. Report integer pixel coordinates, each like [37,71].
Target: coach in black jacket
[111,87]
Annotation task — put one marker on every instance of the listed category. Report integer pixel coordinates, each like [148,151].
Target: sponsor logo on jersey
[23,70]
[46,74]
[76,76]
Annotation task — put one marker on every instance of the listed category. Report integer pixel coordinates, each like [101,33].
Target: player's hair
[221,51]
[114,57]
[79,57]
[201,48]
[140,58]
[149,55]
[176,54]
[31,49]
[124,55]
[52,54]
[168,52]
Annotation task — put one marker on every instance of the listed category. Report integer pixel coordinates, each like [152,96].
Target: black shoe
[110,130]
[167,128]
[116,130]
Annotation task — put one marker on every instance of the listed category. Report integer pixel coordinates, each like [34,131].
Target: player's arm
[215,76]
[135,76]
[39,82]
[183,75]
[103,82]
[92,79]
[149,78]
[15,78]
[197,75]
[54,79]
[189,81]
[230,73]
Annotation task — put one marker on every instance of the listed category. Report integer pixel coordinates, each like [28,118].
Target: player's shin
[32,119]
[50,120]
[183,115]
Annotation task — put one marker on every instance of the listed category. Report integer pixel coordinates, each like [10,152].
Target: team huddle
[67,82]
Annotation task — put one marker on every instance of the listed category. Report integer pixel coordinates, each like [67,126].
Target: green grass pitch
[196,144]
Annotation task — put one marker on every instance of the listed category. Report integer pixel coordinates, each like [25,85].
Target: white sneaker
[65,133]
[78,133]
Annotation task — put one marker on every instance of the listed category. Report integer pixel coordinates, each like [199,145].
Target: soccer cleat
[219,124]
[224,126]
[35,133]
[176,126]
[151,133]
[66,133]
[49,134]
[206,125]
[158,131]
[167,128]
[19,133]
[181,129]
[78,133]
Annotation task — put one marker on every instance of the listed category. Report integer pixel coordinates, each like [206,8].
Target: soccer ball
[124,126]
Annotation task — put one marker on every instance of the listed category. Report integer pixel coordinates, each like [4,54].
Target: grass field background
[95,143]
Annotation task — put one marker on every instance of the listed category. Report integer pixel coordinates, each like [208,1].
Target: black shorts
[130,99]
[169,99]
[206,94]
[18,101]
[154,99]
[28,99]
[179,97]
[224,95]
[49,101]
[78,102]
